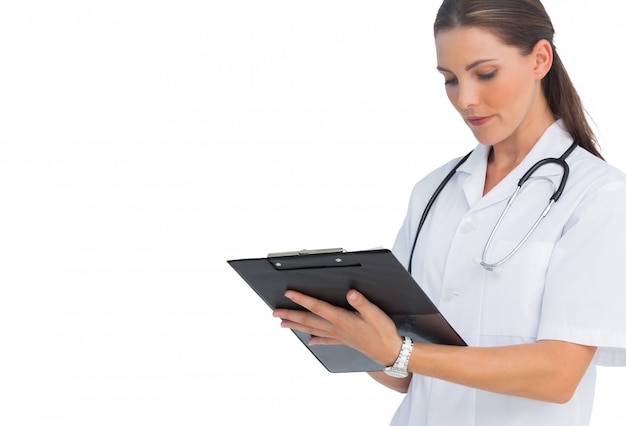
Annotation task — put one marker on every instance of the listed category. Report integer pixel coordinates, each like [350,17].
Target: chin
[486,138]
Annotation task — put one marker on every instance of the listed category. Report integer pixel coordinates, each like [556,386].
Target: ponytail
[565,104]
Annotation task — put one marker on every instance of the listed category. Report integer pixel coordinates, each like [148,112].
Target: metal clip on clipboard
[311,259]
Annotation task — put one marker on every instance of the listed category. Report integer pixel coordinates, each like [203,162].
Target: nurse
[538,324]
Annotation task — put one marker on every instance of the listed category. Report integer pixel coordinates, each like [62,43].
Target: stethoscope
[555,196]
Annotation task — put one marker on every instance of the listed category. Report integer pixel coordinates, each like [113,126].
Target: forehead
[458,47]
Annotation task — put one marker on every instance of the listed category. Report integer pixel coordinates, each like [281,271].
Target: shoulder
[595,191]
[430,182]
[590,173]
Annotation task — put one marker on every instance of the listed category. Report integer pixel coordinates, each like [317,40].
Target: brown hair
[522,23]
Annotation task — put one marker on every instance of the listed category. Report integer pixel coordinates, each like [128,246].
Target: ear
[542,55]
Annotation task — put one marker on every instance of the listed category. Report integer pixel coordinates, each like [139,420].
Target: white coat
[567,282]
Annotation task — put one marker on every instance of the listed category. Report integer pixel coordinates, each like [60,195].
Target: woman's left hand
[368,330]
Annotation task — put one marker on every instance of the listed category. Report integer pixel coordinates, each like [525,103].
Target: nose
[467,95]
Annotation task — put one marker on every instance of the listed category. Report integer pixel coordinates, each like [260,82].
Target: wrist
[400,366]
[394,351]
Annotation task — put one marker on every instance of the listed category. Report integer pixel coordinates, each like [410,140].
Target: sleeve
[585,293]
[402,245]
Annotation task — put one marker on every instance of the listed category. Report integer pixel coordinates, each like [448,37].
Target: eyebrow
[470,66]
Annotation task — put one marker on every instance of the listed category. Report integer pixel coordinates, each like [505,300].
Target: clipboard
[328,275]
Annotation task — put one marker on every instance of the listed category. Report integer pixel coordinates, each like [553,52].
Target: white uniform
[567,282]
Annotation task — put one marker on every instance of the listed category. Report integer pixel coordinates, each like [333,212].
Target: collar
[553,143]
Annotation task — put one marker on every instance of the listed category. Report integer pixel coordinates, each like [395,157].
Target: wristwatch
[399,368]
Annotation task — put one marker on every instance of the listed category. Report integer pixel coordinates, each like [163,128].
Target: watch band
[400,367]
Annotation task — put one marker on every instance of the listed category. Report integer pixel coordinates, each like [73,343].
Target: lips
[479,121]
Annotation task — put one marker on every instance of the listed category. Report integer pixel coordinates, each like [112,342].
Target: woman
[538,322]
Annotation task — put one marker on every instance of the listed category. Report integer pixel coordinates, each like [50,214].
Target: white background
[144,143]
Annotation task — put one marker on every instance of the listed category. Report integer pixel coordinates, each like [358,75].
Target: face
[495,88]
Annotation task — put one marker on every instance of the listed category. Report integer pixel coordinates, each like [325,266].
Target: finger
[305,329]
[317,306]
[301,317]
[363,306]
[323,341]
[304,321]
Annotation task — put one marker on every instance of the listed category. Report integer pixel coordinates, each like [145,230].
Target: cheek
[512,93]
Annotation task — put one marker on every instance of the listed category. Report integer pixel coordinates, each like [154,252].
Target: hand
[368,330]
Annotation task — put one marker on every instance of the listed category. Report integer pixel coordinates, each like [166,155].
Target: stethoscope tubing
[430,203]
[553,199]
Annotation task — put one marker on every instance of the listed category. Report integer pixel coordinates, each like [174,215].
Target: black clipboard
[328,275]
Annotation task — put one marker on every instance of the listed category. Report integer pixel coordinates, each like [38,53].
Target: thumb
[361,304]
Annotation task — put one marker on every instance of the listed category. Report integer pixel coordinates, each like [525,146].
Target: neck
[508,154]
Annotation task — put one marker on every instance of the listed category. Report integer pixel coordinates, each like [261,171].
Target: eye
[450,81]
[487,76]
